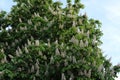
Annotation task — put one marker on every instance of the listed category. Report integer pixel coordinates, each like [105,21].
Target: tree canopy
[49,42]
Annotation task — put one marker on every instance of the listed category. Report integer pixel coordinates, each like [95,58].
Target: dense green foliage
[48,42]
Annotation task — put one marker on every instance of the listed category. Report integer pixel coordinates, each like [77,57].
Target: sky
[108,12]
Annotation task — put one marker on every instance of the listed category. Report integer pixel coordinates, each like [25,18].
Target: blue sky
[6,5]
[108,12]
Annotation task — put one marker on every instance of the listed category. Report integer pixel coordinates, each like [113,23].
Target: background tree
[48,42]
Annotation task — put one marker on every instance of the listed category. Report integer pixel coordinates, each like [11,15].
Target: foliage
[48,42]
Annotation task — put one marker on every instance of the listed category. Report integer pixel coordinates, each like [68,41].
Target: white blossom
[17,53]
[37,65]
[94,40]
[71,11]
[74,59]
[37,61]
[2,50]
[8,33]
[103,74]
[46,72]
[74,40]
[19,69]
[63,77]
[85,72]
[40,53]
[22,4]
[62,45]
[81,43]
[48,42]
[10,56]
[51,59]
[67,47]
[45,18]
[37,73]
[56,42]
[57,51]
[26,45]
[74,23]
[21,28]
[65,63]
[80,73]
[8,47]
[55,13]
[36,14]
[20,20]
[37,43]
[89,73]
[35,27]
[88,33]
[28,41]
[25,28]
[20,51]
[78,30]
[57,64]
[29,2]
[94,63]
[6,43]
[70,58]
[61,26]
[63,54]
[13,44]
[45,57]
[32,68]
[80,21]
[4,59]
[16,30]
[69,15]
[29,22]
[1,72]
[82,31]
[100,68]
[16,41]
[34,78]
[50,24]
[26,50]
[86,42]
[1,28]
[50,9]
[71,77]
[60,12]
[112,72]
